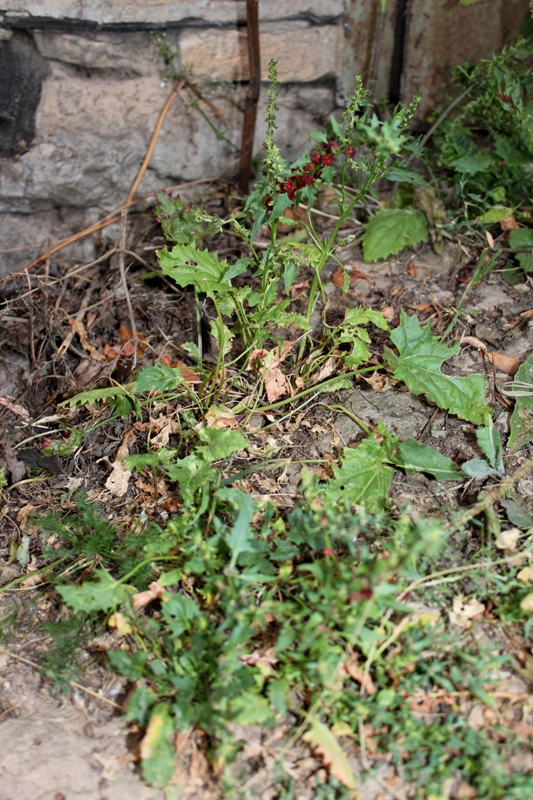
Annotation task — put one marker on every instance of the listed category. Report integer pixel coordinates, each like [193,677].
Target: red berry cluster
[311,171]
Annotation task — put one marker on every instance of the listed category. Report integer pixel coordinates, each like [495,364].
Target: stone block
[126,54]
[147,12]
[303,52]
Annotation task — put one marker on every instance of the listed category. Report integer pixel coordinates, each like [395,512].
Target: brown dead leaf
[264,659]
[141,599]
[127,341]
[378,381]
[490,238]
[504,362]
[338,277]
[188,374]
[508,224]
[276,384]
[87,371]
[20,411]
[475,342]
[79,328]
[388,312]
[220,417]
[464,610]
[351,667]
[117,482]
[412,269]
[328,368]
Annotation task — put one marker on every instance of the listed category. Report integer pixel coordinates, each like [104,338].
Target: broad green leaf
[158,754]
[219,443]
[251,709]
[416,457]
[478,468]
[363,478]
[179,613]
[158,378]
[392,229]
[318,136]
[473,163]
[352,332]
[488,438]
[496,214]
[419,367]
[103,594]
[189,266]
[321,739]
[131,665]
[523,237]
[522,417]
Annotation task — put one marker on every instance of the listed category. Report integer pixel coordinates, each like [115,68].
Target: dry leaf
[276,384]
[412,270]
[141,599]
[117,482]
[378,381]
[490,238]
[320,738]
[20,411]
[507,540]
[120,623]
[464,611]
[220,417]
[526,603]
[526,575]
[388,312]
[327,369]
[508,224]
[504,362]
[351,667]
[338,277]
[79,328]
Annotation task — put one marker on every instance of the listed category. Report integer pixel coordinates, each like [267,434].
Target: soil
[65,327]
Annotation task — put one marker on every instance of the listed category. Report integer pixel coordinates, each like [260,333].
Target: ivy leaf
[363,478]
[416,457]
[103,594]
[522,417]
[321,739]
[419,367]
[157,747]
[392,229]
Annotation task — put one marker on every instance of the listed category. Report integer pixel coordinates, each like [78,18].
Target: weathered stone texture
[148,11]
[304,53]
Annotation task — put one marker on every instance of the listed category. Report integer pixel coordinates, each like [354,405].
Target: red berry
[308,180]
[350,151]
[333,145]
[327,160]
[315,157]
[308,167]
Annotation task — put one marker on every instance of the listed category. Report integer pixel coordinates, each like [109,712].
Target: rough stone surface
[156,11]
[304,53]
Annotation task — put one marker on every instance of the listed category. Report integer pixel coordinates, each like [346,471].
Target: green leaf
[416,457]
[179,613]
[351,332]
[104,594]
[318,136]
[321,739]
[251,709]
[478,468]
[489,440]
[239,538]
[362,479]
[403,175]
[131,665]
[220,443]
[157,747]
[522,417]
[117,396]
[189,266]
[473,163]
[496,214]
[418,366]
[392,229]
[282,203]
[158,378]
[523,237]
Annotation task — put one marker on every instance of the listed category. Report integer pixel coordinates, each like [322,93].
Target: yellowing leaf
[157,747]
[321,739]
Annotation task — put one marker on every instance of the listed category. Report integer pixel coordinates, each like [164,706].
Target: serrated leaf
[158,378]
[522,417]
[318,136]
[103,594]
[158,754]
[239,538]
[416,457]
[188,266]
[321,739]
[403,175]
[117,396]
[473,163]
[392,229]
[419,367]
[363,478]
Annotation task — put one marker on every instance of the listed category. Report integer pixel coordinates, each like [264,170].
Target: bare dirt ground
[63,327]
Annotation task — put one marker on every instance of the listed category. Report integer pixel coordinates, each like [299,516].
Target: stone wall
[82,83]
